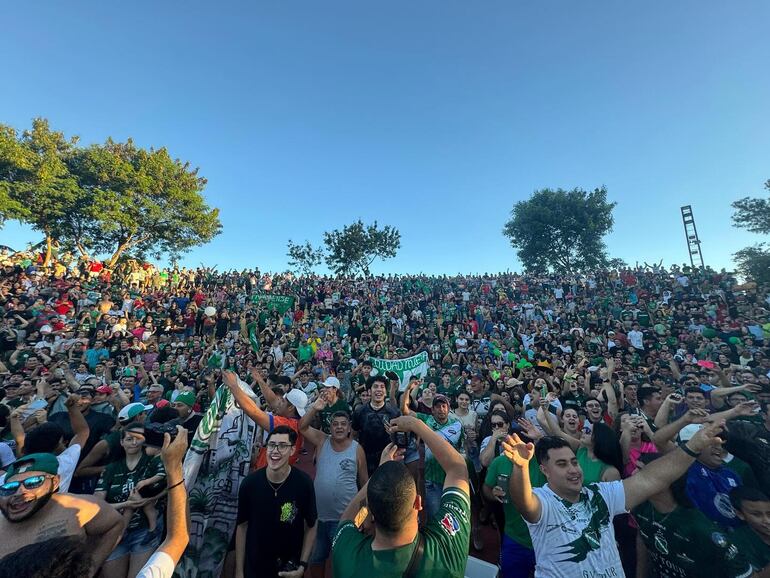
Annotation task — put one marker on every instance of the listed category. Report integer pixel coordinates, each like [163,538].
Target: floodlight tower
[691,233]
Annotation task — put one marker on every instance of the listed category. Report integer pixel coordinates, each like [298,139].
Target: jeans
[433,492]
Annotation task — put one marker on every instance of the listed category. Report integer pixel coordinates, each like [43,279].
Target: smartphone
[36,405]
[153,490]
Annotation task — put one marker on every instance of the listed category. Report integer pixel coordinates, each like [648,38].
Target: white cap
[298,399]
[332,381]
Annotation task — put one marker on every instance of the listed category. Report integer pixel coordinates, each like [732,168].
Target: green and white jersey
[572,540]
[446,546]
[685,544]
[452,431]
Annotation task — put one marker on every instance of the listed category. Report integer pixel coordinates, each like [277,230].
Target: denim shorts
[323,541]
[136,542]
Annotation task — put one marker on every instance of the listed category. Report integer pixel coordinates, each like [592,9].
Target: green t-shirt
[751,546]
[515,526]
[326,414]
[304,352]
[685,544]
[453,432]
[446,546]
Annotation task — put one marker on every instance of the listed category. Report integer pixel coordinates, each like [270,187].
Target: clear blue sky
[433,116]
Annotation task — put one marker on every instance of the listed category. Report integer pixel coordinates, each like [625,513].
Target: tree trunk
[116,255]
[82,250]
[48,250]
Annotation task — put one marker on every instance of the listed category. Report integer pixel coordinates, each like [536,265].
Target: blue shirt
[709,490]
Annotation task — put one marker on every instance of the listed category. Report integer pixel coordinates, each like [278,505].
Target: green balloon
[734,340]
[709,333]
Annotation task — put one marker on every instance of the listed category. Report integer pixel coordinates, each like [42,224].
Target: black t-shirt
[276,520]
[99,424]
[370,425]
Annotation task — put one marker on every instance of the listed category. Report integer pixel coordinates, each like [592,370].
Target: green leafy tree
[754,262]
[753,214]
[303,258]
[13,157]
[354,248]
[147,202]
[37,176]
[561,230]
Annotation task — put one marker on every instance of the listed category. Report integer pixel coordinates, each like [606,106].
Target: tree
[12,157]
[37,177]
[753,214]
[303,258]
[561,230]
[754,263]
[147,202]
[356,246]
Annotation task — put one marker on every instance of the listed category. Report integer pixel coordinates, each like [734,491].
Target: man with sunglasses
[33,511]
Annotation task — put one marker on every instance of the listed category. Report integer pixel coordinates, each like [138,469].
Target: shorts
[516,561]
[137,541]
[324,535]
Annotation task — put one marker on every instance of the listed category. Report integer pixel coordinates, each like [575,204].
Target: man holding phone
[451,430]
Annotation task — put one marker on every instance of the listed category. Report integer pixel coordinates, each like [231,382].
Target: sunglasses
[31,483]
[498,424]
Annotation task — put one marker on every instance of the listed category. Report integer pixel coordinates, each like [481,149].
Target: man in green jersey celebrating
[753,538]
[399,548]
[678,540]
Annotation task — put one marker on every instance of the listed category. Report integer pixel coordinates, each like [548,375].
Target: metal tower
[691,233]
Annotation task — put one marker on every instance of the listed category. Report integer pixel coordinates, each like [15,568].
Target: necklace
[275,489]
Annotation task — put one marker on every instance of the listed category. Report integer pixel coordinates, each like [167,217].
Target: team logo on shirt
[450,524]
[661,544]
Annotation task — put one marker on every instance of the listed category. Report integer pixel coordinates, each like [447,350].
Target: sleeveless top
[336,480]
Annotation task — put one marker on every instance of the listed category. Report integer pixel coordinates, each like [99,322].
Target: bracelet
[687,450]
[175,485]
[303,564]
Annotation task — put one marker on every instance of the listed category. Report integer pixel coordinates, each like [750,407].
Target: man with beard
[34,512]
[340,472]
[276,515]
[188,419]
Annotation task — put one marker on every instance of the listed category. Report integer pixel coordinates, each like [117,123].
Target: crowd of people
[607,424]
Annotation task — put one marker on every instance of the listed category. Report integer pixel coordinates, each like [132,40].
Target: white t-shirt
[68,462]
[6,455]
[160,565]
[636,338]
[578,539]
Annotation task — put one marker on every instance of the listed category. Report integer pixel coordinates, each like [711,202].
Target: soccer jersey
[445,554]
[684,542]
[578,539]
[453,432]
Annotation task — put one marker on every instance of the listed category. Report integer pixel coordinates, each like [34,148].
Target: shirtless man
[34,512]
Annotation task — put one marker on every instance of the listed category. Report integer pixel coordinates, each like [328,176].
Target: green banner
[404,368]
[280,303]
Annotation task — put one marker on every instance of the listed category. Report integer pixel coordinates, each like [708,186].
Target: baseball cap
[298,399]
[186,397]
[131,411]
[332,381]
[106,389]
[47,463]
[440,398]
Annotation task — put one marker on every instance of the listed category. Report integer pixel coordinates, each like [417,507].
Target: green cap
[34,463]
[186,397]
